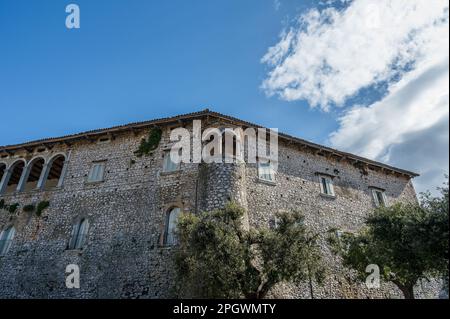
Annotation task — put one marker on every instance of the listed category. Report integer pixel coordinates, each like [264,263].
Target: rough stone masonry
[123,252]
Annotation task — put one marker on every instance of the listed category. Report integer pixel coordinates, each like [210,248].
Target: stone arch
[33,173]
[13,176]
[2,170]
[231,151]
[212,139]
[55,170]
[171,217]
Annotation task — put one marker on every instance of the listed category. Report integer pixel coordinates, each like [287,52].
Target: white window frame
[170,238]
[97,172]
[6,238]
[266,169]
[328,188]
[168,164]
[78,235]
[376,200]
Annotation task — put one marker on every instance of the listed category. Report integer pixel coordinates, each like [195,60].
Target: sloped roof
[319,149]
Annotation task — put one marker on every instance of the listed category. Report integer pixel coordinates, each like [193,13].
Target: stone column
[5,179]
[43,176]
[239,190]
[24,177]
[223,182]
[64,169]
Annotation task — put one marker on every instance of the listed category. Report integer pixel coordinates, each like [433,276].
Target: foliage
[438,226]
[13,207]
[41,207]
[218,258]
[151,143]
[28,208]
[408,242]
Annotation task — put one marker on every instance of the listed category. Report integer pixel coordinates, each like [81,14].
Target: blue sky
[365,76]
[137,60]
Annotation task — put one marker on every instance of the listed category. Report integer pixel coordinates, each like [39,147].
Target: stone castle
[113,213]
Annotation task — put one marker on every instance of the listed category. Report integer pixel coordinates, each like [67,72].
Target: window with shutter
[6,238]
[169,165]
[379,197]
[97,172]
[326,185]
[266,171]
[171,227]
[73,236]
[79,234]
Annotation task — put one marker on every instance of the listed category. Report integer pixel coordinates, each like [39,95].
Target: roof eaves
[206,112]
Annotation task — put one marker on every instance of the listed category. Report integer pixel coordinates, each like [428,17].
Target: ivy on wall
[11,208]
[38,209]
[41,207]
[151,143]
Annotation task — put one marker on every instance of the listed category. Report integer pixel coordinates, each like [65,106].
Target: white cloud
[412,105]
[331,55]
[401,128]
[276,4]
[424,151]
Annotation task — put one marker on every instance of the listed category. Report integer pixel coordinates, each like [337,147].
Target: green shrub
[41,207]
[217,257]
[152,142]
[13,207]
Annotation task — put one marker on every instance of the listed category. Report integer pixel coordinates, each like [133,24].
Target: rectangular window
[326,185]
[6,238]
[379,197]
[266,171]
[79,234]
[97,172]
[104,140]
[169,165]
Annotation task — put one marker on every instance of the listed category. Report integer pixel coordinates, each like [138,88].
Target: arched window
[34,172]
[16,172]
[170,238]
[55,170]
[6,238]
[212,138]
[79,234]
[231,145]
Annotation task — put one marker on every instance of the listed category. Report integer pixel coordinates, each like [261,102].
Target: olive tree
[218,258]
[408,242]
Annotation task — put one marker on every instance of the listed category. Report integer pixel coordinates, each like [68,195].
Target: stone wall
[297,188]
[124,256]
